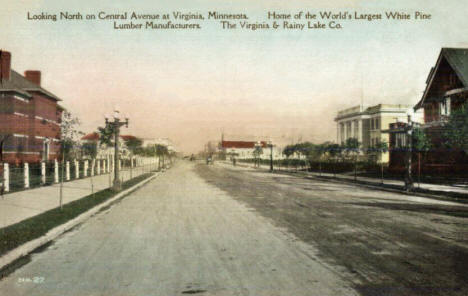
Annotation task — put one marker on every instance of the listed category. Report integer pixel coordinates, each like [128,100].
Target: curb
[30,246]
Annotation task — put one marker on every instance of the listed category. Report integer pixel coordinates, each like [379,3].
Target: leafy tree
[421,145]
[68,139]
[381,147]
[69,134]
[258,150]
[351,146]
[106,135]
[89,149]
[134,145]
[289,150]
[421,142]
[333,151]
[455,133]
[161,150]
[316,153]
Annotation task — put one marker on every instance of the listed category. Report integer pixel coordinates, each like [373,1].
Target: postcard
[233,147]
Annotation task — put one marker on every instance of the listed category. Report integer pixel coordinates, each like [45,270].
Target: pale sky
[192,85]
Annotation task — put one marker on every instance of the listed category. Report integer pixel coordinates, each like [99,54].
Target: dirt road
[179,235]
[391,244]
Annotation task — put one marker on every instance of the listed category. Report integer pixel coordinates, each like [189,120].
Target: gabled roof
[18,83]
[91,137]
[457,59]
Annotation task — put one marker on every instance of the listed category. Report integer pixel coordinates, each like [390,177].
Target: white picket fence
[90,168]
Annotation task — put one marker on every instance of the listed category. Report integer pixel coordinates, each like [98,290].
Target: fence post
[67,168]
[26,175]
[43,172]
[6,177]
[98,166]
[77,169]
[93,162]
[56,174]
[85,168]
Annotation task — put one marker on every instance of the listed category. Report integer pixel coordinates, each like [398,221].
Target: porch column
[359,135]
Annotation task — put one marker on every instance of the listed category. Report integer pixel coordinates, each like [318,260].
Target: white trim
[39,137]
[20,99]
[22,152]
[48,120]
[20,136]
[20,114]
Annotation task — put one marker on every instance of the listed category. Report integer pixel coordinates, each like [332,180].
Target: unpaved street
[392,244]
[181,235]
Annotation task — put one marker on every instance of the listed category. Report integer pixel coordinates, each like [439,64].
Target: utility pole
[409,185]
[115,127]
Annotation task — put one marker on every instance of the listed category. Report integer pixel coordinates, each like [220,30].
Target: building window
[400,140]
[445,107]
[377,123]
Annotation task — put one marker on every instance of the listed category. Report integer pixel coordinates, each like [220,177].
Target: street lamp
[270,144]
[114,125]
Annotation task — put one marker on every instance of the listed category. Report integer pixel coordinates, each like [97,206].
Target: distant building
[366,124]
[446,91]
[241,149]
[103,151]
[29,116]
[159,141]
[245,149]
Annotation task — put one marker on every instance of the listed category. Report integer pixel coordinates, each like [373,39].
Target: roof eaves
[24,93]
[429,84]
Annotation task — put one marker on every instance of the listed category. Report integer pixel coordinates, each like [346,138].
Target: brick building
[29,116]
[446,91]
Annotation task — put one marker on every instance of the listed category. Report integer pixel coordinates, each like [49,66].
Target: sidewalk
[17,206]
[430,188]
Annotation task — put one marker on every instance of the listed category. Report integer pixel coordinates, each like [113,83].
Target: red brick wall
[11,123]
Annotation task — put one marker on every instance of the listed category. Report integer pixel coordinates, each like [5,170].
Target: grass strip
[22,232]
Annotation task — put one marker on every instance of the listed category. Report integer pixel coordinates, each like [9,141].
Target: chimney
[34,76]
[5,65]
